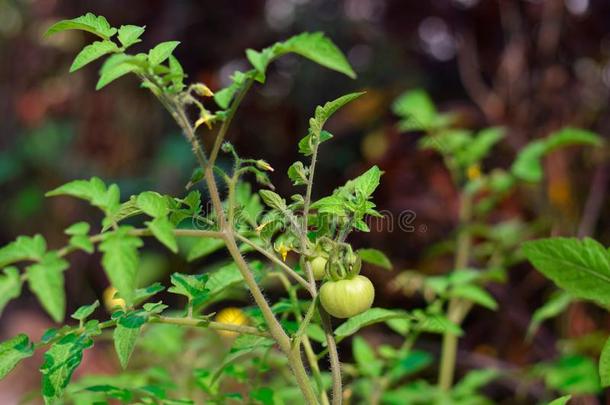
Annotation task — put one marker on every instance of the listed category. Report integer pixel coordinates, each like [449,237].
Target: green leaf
[417,110]
[10,286]
[435,323]
[88,22]
[82,242]
[92,52]
[604,365]
[368,317]
[60,361]
[368,363]
[376,257]
[223,97]
[297,173]
[163,230]
[475,380]
[264,395]
[191,286]
[177,73]
[117,66]
[94,191]
[130,34]
[228,276]
[85,311]
[153,204]
[528,166]
[273,200]
[553,307]
[475,294]
[23,248]
[12,351]
[46,281]
[581,267]
[561,400]
[313,46]
[479,147]
[120,261]
[125,338]
[79,228]
[204,247]
[316,136]
[367,182]
[161,52]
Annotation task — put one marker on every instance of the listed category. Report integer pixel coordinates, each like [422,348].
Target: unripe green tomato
[318,266]
[348,297]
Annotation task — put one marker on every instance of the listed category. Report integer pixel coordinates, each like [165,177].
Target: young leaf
[120,261]
[528,166]
[369,317]
[475,294]
[604,365]
[561,400]
[191,286]
[316,135]
[130,34]
[125,337]
[581,267]
[92,52]
[376,257]
[10,286]
[475,380]
[94,191]
[480,146]
[368,363]
[153,204]
[82,242]
[204,247]
[161,52]
[79,228]
[273,200]
[12,351]
[60,361]
[417,110]
[177,73]
[313,46]
[117,66]
[85,311]
[88,22]
[298,173]
[23,248]
[163,230]
[46,281]
[553,307]
[365,184]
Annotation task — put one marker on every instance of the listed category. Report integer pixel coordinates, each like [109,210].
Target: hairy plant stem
[226,228]
[457,308]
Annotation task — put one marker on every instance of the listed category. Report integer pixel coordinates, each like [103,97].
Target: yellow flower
[231,316]
[110,301]
[206,119]
[474,171]
[261,164]
[283,250]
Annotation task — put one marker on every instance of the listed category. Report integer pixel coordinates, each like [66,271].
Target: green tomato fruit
[347,298]
[318,266]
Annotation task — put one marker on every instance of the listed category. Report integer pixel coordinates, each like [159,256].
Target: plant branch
[457,308]
[277,261]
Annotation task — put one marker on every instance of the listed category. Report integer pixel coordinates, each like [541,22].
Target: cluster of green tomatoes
[344,292]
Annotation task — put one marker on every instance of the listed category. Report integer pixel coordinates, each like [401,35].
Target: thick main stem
[457,308]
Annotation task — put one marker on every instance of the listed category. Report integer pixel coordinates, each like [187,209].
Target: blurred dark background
[532,66]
